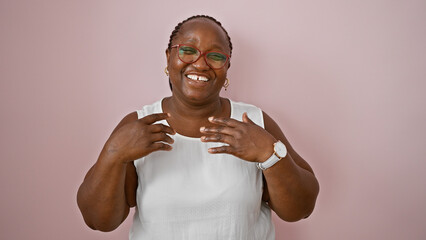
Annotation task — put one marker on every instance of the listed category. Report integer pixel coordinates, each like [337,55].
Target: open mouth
[197,77]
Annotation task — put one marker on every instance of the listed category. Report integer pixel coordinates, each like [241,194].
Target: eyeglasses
[190,54]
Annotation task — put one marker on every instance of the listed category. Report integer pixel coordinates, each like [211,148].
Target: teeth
[202,78]
[196,77]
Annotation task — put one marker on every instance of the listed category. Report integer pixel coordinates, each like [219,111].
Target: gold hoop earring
[226,84]
[166,71]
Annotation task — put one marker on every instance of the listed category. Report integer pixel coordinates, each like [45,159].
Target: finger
[160,146]
[161,136]
[218,129]
[222,149]
[152,118]
[246,119]
[218,138]
[161,128]
[225,121]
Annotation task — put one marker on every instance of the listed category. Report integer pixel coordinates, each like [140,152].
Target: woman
[195,165]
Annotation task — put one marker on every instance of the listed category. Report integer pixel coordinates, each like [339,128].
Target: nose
[201,63]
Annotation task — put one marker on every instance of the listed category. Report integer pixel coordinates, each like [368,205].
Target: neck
[183,109]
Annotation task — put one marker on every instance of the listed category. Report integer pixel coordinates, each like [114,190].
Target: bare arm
[292,188]
[109,188]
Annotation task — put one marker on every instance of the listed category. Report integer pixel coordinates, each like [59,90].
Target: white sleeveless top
[190,194]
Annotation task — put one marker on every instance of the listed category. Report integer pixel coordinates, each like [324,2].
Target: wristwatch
[280,151]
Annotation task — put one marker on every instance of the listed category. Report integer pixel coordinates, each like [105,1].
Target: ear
[167,56]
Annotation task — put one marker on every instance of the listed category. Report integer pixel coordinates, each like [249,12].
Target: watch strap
[280,151]
[268,163]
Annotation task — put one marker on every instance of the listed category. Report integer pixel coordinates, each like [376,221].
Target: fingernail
[211,118]
[168,114]
[202,129]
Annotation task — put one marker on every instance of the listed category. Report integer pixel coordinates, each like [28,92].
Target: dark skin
[109,188]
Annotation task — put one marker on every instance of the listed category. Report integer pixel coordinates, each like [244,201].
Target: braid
[177,28]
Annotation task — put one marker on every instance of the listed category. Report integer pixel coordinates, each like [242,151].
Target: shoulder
[155,107]
[253,112]
[140,113]
[270,123]
[131,117]
[242,104]
[273,128]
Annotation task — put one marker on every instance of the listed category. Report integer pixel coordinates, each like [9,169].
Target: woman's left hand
[246,140]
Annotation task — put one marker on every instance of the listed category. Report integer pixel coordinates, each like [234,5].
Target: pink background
[344,79]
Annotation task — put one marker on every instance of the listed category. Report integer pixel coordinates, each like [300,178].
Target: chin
[200,97]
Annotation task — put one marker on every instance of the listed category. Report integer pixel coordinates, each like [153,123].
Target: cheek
[176,65]
[221,74]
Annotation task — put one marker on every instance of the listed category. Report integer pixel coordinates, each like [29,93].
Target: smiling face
[197,82]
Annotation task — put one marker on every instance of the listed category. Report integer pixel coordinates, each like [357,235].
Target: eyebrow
[213,46]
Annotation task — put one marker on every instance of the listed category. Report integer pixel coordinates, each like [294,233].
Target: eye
[215,56]
[187,50]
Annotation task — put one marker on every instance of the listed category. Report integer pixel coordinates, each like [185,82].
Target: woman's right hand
[139,138]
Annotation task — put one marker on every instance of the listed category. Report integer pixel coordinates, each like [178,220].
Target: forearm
[101,197]
[292,190]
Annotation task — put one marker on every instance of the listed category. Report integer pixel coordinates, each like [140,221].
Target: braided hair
[177,28]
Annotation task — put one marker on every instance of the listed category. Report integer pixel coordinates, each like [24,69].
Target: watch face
[280,149]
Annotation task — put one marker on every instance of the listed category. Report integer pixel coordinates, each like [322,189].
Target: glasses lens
[216,59]
[188,54]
